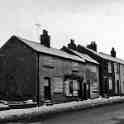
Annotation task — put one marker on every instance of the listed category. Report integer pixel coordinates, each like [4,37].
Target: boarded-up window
[91,75]
[58,85]
[48,62]
[75,66]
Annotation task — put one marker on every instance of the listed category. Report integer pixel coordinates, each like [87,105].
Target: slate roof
[109,57]
[51,51]
[105,56]
[94,52]
[84,56]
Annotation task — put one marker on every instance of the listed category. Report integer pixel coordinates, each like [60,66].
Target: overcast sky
[83,20]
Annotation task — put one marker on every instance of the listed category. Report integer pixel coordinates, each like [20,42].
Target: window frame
[71,85]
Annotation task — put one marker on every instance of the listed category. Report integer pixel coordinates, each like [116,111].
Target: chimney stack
[113,52]
[45,39]
[72,45]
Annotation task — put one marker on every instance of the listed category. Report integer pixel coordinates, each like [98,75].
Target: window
[115,67]
[109,67]
[48,62]
[75,88]
[58,85]
[106,67]
[118,67]
[71,87]
[75,66]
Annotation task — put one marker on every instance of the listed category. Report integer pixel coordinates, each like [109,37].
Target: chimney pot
[113,52]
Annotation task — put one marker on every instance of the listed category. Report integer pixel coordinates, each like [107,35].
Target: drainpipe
[37,86]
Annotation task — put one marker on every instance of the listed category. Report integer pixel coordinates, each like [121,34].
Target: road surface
[111,114]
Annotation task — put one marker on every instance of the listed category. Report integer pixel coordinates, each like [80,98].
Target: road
[111,114]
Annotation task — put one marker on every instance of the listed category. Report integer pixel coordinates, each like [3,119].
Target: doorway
[80,93]
[106,86]
[47,88]
[84,91]
[118,89]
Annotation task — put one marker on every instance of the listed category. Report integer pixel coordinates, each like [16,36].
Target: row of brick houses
[31,70]
[111,72]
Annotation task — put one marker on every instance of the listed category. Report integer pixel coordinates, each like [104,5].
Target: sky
[82,20]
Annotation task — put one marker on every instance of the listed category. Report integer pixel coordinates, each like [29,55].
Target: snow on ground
[51,109]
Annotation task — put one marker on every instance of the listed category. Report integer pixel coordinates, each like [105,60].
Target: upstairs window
[106,67]
[109,67]
[115,67]
[118,67]
[58,85]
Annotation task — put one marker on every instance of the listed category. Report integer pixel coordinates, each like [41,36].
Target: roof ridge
[105,54]
[27,40]
[52,51]
[102,55]
[115,58]
[36,43]
[84,56]
[110,55]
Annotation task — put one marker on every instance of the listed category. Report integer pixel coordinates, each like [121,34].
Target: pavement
[46,111]
[108,114]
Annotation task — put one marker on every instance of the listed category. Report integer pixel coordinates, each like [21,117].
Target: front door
[118,89]
[80,90]
[47,88]
[84,91]
[106,88]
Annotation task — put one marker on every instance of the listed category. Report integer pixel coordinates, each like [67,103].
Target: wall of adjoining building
[92,74]
[122,78]
[117,78]
[18,74]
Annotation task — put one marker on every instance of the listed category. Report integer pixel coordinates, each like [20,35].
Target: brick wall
[93,76]
[55,67]
[122,78]
[18,70]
